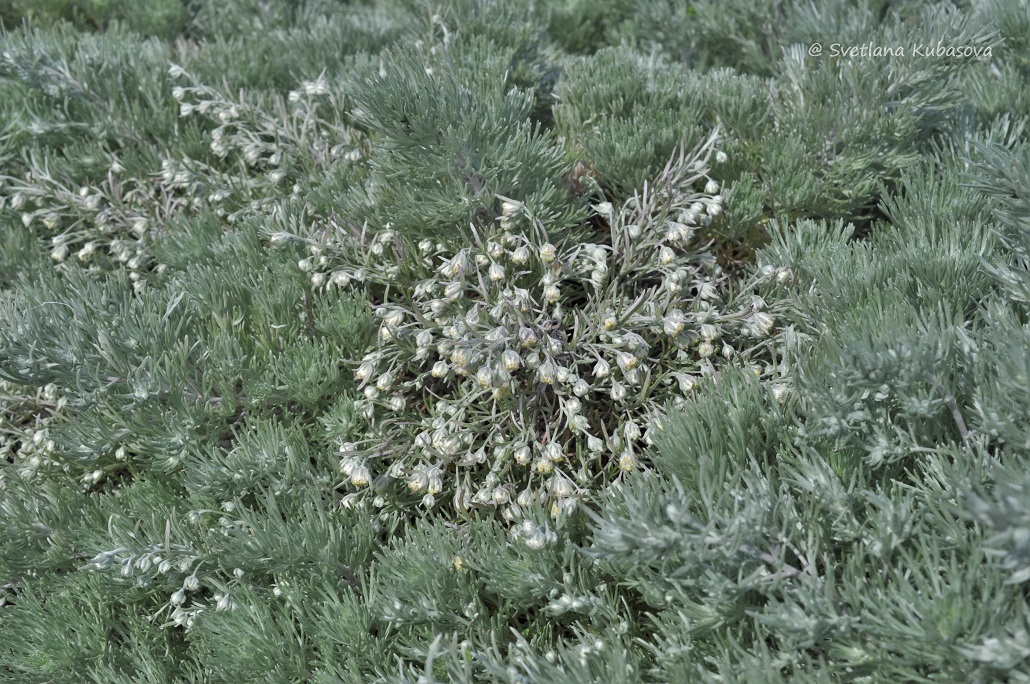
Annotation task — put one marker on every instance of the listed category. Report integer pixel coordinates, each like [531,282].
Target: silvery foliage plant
[527,371]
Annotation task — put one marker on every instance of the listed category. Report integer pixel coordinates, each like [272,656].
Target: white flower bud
[361,476]
[711,187]
[627,461]
[496,272]
[619,391]
[485,377]
[365,371]
[705,349]
[454,290]
[546,372]
[520,255]
[318,280]
[522,455]
[384,382]
[178,598]
[581,388]
[511,360]
[714,210]
[547,253]
[439,369]
[720,157]
[763,322]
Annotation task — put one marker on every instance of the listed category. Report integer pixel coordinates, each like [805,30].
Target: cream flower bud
[547,253]
[666,255]
[527,337]
[424,339]
[520,255]
[546,372]
[594,444]
[394,318]
[551,294]
[601,369]
[626,361]
[763,322]
[453,290]
[627,461]
[178,598]
[418,481]
[511,360]
[384,381]
[673,324]
[496,272]
[522,455]
[459,357]
[485,377]
[705,349]
[361,476]
[619,391]
[609,321]
[365,371]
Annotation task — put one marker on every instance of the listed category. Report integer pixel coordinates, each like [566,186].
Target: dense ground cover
[501,341]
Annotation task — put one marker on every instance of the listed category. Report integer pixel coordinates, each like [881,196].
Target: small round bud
[547,253]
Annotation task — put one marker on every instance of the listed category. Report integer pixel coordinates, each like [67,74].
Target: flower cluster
[524,370]
[116,217]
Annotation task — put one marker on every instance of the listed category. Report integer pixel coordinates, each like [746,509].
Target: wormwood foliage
[491,341]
